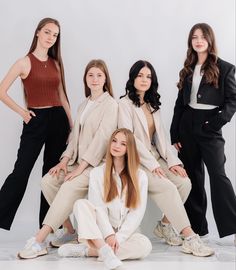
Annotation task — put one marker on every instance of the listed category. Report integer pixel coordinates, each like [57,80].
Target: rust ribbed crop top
[41,85]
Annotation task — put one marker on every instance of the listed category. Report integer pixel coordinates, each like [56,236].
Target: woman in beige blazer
[169,186]
[68,180]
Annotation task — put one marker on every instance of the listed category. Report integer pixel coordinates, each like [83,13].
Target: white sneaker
[197,247]
[168,233]
[62,237]
[107,255]
[33,249]
[72,250]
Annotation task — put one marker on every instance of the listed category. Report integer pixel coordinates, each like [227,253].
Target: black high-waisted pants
[50,128]
[203,145]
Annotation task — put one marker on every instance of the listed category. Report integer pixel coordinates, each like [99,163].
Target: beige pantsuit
[137,246]
[97,219]
[168,193]
[88,142]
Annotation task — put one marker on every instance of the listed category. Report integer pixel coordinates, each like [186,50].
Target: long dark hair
[210,68]
[55,51]
[151,96]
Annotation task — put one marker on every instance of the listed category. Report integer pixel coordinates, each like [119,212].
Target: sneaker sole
[160,235]
[33,256]
[53,245]
[188,251]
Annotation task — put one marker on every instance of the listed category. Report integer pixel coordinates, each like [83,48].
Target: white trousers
[137,246]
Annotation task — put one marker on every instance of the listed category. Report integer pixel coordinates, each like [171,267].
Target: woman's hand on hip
[27,115]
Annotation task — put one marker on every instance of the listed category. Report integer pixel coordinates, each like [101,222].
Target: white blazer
[89,139]
[115,216]
[133,118]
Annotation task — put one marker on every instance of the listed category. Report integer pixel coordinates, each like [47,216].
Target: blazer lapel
[159,136]
[93,106]
[142,119]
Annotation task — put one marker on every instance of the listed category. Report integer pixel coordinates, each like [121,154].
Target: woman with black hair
[206,102]
[169,186]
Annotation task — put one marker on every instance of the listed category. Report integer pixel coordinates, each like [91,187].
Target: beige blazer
[133,118]
[89,139]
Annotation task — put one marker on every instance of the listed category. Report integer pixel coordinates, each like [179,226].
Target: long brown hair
[98,63]
[128,175]
[55,51]
[210,68]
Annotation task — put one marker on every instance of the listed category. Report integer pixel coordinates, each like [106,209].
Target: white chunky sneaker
[33,249]
[62,237]
[194,245]
[72,250]
[168,233]
[107,255]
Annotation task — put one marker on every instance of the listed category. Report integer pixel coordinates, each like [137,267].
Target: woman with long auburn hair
[46,116]
[206,102]
[168,183]
[116,204]
[68,180]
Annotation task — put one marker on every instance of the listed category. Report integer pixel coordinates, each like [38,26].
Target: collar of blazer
[159,136]
[141,116]
[99,100]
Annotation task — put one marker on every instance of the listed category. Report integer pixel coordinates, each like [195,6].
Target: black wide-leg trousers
[50,128]
[203,145]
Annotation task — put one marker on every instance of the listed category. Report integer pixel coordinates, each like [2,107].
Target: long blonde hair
[98,63]
[128,175]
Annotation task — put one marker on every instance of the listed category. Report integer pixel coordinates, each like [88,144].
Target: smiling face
[142,82]
[199,42]
[95,79]
[47,35]
[118,146]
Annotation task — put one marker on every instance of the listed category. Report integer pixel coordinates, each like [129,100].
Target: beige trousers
[169,194]
[137,246]
[62,195]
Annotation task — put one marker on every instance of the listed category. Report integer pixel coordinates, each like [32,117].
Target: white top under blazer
[114,217]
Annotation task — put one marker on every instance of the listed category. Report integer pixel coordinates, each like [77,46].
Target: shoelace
[172,231]
[59,233]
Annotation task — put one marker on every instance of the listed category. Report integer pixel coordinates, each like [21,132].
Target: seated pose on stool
[169,186]
[116,204]
[68,180]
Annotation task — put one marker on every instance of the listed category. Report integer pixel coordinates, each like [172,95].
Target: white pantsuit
[97,219]
[88,142]
[168,193]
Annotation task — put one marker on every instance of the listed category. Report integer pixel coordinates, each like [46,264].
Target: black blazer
[224,97]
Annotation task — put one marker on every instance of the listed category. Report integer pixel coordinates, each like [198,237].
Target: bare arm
[63,99]
[20,69]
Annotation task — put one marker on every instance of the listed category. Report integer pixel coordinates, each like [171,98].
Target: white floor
[162,257]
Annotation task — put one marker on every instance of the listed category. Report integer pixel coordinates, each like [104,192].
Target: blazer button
[199,95]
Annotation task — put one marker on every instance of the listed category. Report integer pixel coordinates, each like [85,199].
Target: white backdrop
[120,32]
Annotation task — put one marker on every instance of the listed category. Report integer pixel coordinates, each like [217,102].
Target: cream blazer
[89,139]
[114,217]
[133,118]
